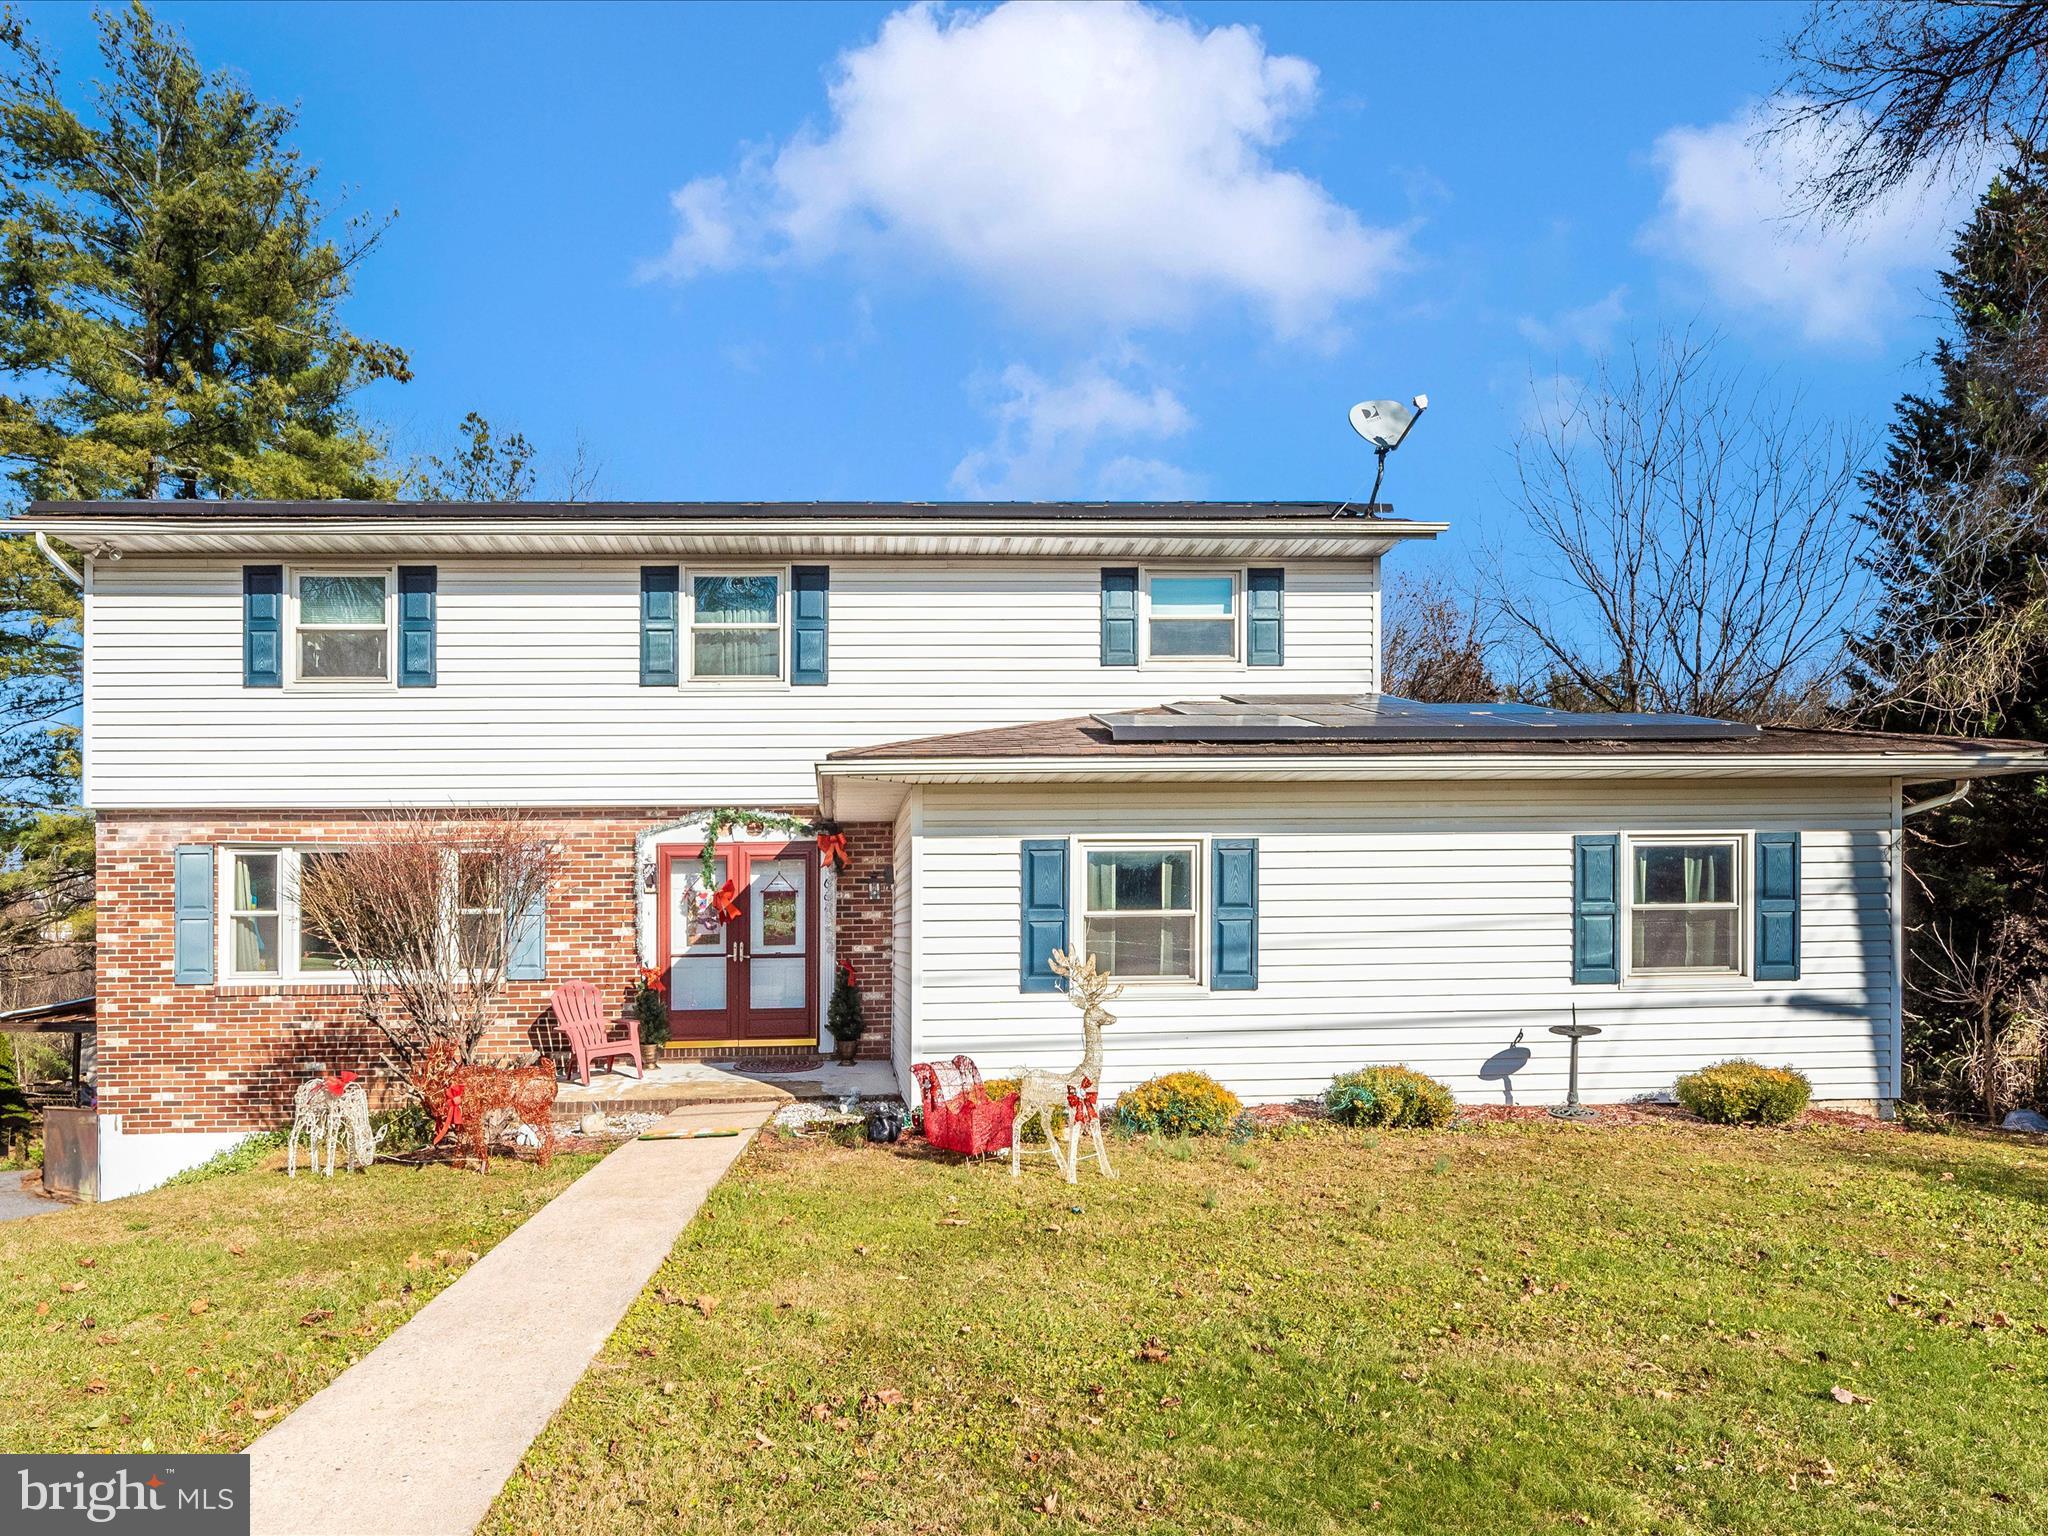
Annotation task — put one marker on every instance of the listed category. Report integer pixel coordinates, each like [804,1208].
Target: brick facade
[226,1057]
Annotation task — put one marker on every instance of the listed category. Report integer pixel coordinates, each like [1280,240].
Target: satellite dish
[1385,424]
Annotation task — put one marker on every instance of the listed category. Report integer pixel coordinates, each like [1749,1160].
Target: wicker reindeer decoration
[1041,1093]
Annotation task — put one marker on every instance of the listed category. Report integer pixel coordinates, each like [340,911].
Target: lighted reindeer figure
[1042,1093]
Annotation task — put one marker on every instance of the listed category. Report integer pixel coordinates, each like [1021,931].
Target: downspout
[63,566]
[1960,792]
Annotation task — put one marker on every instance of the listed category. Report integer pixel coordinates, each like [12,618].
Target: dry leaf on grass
[1844,1395]
[199,1306]
[706,1304]
[1153,1352]
[72,1287]
[87,1263]
[315,1317]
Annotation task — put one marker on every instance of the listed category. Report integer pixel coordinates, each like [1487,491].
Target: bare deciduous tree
[424,914]
[1990,982]
[1695,547]
[1916,88]
[1436,650]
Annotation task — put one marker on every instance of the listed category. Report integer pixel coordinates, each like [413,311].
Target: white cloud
[1589,327]
[1733,212]
[1097,162]
[1051,438]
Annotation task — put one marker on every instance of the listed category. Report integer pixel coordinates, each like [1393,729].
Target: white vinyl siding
[539,700]
[1422,924]
[903,946]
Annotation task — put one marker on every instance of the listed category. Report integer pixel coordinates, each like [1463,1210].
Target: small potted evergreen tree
[844,1017]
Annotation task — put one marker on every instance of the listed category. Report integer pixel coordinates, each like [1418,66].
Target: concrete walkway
[686,1084]
[16,1199]
[417,1438]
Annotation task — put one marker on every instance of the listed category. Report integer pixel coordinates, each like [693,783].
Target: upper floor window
[1139,913]
[1191,615]
[736,626]
[1685,906]
[341,626]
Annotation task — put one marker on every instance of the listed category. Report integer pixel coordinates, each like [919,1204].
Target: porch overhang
[854,789]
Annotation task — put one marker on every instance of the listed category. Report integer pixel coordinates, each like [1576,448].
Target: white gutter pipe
[1960,792]
[63,565]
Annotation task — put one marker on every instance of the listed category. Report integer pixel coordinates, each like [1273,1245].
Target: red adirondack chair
[959,1116]
[580,1012]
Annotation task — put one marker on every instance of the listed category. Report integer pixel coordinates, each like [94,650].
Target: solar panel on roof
[1384,717]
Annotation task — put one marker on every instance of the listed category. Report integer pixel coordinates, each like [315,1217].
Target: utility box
[71,1153]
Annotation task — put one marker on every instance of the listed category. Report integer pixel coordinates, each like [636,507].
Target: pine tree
[169,326]
[169,286]
[1958,514]
[17,1120]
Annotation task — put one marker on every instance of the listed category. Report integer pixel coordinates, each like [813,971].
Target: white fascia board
[1249,538]
[1910,769]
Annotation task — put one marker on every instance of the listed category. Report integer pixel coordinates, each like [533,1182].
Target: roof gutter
[1921,808]
[63,566]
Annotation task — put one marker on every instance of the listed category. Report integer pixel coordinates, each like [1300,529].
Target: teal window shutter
[192,914]
[417,588]
[660,589]
[526,945]
[262,626]
[1044,925]
[1596,909]
[1234,923]
[1265,599]
[1120,616]
[1777,906]
[810,650]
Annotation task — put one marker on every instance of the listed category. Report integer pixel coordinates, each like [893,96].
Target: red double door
[752,978]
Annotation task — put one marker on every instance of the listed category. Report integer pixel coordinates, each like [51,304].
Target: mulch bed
[1665,1114]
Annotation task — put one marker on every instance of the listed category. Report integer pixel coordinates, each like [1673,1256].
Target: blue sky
[856,251]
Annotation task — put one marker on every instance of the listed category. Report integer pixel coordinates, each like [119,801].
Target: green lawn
[191,1318]
[1512,1327]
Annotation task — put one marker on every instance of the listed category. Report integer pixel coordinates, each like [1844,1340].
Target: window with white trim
[262,935]
[480,928]
[736,626]
[1685,906]
[1193,615]
[341,626]
[1140,910]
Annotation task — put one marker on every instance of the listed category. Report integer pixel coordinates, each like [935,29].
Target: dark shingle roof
[1084,736]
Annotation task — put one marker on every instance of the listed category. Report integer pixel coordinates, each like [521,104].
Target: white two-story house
[1150,731]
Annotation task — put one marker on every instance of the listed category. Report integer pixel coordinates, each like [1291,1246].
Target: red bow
[652,979]
[846,970]
[725,903]
[455,1103]
[832,845]
[337,1083]
[1081,1103]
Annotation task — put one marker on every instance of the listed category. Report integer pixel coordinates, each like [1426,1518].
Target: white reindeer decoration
[1042,1093]
[340,1114]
